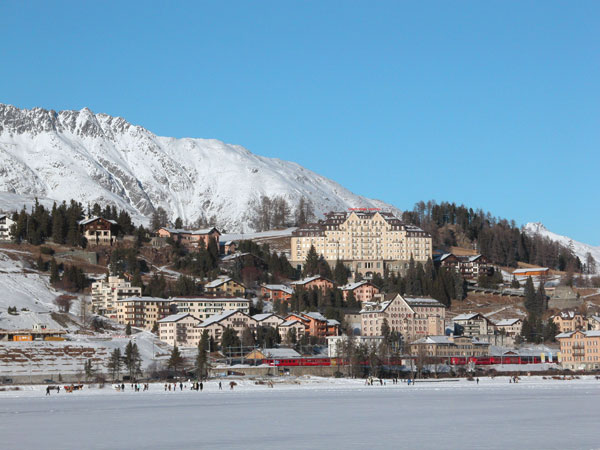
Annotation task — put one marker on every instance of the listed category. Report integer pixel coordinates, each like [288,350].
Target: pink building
[316,281]
[363,291]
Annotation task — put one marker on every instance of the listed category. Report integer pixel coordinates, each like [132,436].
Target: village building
[314,282]
[205,307]
[594,323]
[570,321]
[225,286]
[177,329]
[579,350]
[473,324]
[510,327]
[142,312]
[268,320]
[272,353]
[227,248]
[367,242]
[293,326]
[98,231]
[448,260]
[449,346]
[105,294]
[38,332]
[363,291]
[274,292]
[190,237]
[335,343]
[469,266]
[316,324]
[216,325]
[520,274]
[411,317]
[5,227]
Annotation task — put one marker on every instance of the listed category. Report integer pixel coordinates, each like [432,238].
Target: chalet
[98,231]
[469,266]
[446,260]
[473,324]
[276,292]
[363,291]
[313,282]
[176,329]
[510,327]
[225,286]
[227,248]
[190,237]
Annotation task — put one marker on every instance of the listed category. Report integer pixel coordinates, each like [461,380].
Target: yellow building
[225,286]
[142,312]
[580,350]
[367,242]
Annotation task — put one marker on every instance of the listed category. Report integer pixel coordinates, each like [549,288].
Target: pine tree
[128,329]
[132,360]
[175,360]
[202,356]
[115,363]
[530,296]
[54,275]
[340,273]
[311,265]
[229,340]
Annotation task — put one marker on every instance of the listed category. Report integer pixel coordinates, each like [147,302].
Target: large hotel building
[366,241]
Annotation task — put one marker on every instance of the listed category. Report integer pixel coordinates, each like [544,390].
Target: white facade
[5,223]
[203,308]
[105,294]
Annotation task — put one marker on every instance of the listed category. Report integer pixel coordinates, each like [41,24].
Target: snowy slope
[98,158]
[579,248]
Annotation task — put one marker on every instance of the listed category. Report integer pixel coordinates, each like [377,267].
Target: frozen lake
[319,413]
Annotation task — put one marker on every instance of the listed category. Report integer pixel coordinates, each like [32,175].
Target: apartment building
[225,286]
[268,320]
[570,321]
[217,324]
[580,350]
[5,224]
[276,292]
[297,328]
[473,324]
[177,329]
[105,294]
[510,327]
[366,241]
[205,307]
[142,312]
[316,324]
[363,291]
[190,237]
[411,317]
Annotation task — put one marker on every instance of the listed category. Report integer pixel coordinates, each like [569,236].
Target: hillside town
[360,293]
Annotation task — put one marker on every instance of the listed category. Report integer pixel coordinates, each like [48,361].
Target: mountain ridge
[101,158]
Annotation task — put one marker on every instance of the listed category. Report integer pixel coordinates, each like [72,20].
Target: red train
[490,360]
[298,362]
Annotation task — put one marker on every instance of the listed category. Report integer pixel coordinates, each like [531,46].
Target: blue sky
[493,104]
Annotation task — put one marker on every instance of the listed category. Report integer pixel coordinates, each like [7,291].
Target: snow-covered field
[317,413]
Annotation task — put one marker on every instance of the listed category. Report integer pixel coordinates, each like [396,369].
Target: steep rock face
[579,248]
[98,158]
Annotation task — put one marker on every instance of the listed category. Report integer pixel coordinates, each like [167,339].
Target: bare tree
[64,302]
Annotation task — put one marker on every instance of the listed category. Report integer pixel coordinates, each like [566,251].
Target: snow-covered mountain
[579,248]
[98,158]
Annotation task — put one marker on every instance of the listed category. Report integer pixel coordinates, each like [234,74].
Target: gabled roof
[261,317]
[423,301]
[332,322]
[308,280]
[315,315]
[289,323]
[278,287]
[201,231]
[280,353]
[93,219]
[589,333]
[352,286]
[218,318]
[176,318]
[219,281]
[507,322]
[467,316]
[531,269]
